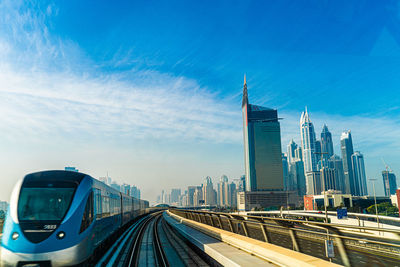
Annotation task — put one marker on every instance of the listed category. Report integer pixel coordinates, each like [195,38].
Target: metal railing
[307,236]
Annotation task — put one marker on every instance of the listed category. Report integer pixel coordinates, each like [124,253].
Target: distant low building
[309,203]
[247,201]
[333,198]
[395,198]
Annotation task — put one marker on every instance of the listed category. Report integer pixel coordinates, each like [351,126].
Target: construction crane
[386,166]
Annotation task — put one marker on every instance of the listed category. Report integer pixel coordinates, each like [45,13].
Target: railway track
[151,242]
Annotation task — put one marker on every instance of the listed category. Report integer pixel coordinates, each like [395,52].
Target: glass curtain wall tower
[346,145]
[326,145]
[360,180]
[262,147]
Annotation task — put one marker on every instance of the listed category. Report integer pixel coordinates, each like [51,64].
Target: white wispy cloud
[44,92]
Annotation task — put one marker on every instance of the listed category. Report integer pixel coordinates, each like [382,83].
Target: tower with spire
[308,145]
[307,135]
[262,146]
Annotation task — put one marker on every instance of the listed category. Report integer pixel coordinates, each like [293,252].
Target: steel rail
[159,251]
[120,241]
[136,245]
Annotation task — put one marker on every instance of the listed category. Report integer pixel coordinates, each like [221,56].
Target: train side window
[97,203]
[87,218]
[106,206]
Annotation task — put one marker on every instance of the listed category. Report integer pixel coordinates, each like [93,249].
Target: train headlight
[15,236]
[60,235]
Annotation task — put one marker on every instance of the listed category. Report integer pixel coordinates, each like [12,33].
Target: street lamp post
[376,207]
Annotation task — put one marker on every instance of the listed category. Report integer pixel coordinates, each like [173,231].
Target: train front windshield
[44,203]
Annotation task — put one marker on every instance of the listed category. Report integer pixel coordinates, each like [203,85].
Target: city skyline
[94,89]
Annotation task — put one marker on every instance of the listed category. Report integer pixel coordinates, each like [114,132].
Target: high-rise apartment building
[299,153]
[262,147]
[326,144]
[209,194]
[328,179]
[318,154]
[336,163]
[126,189]
[291,151]
[360,180]
[198,197]
[135,192]
[296,169]
[313,183]
[232,197]
[175,194]
[190,193]
[346,146]
[287,181]
[222,192]
[389,183]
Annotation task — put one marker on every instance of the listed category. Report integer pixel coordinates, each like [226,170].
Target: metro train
[58,218]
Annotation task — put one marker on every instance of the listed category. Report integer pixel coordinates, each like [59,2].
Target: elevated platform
[231,249]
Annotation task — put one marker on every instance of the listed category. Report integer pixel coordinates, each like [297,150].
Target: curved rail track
[151,241]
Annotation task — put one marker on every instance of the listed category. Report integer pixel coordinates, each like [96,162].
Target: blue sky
[150,91]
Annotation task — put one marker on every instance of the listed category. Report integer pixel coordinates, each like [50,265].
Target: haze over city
[153,96]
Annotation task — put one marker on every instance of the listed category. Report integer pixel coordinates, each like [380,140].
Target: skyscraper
[262,147]
[126,189]
[307,134]
[299,153]
[318,154]
[291,151]
[326,143]
[389,183]
[346,145]
[360,180]
[175,194]
[190,192]
[222,192]
[297,170]
[198,197]
[336,163]
[328,179]
[285,167]
[209,194]
[232,200]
